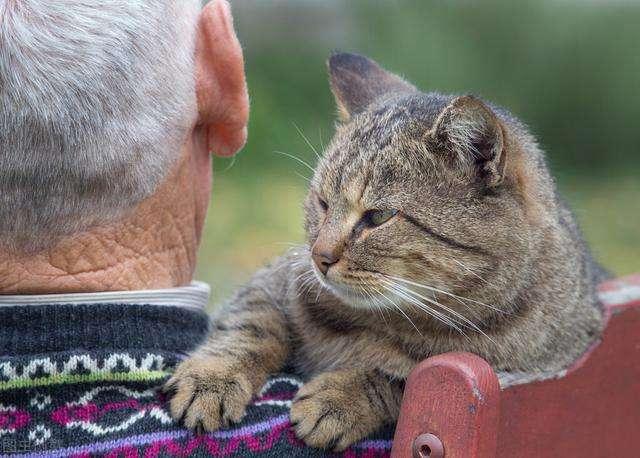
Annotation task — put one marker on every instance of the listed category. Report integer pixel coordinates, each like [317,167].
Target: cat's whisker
[447,309]
[373,300]
[305,288]
[373,290]
[399,309]
[465,321]
[302,275]
[425,272]
[434,302]
[384,306]
[449,321]
[456,298]
[305,269]
[420,307]
[301,258]
[321,140]
[307,179]
[430,311]
[313,148]
[309,276]
[299,286]
[289,244]
[300,269]
[297,159]
[384,311]
[304,282]
[446,293]
[472,272]
[461,302]
[283,266]
[320,288]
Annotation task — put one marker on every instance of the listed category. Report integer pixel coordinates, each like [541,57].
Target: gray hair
[96,96]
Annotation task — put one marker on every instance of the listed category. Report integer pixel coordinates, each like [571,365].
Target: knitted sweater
[83,380]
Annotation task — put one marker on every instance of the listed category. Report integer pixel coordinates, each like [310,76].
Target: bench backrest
[591,410]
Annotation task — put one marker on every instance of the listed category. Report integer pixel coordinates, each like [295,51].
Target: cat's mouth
[359,289]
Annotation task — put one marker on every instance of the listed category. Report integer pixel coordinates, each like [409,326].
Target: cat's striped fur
[477,253]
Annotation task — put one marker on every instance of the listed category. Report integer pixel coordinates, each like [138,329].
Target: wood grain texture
[592,410]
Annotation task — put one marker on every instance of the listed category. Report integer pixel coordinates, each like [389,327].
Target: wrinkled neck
[153,247]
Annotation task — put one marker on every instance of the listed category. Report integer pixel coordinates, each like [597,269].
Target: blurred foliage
[570,69]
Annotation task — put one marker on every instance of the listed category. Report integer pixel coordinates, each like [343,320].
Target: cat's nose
[323,261]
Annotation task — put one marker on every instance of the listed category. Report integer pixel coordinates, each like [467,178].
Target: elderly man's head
[99,103]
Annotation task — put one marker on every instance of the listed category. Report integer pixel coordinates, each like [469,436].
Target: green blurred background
[570,69]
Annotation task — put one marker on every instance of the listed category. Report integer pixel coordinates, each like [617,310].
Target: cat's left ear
[357,81]
[470,130]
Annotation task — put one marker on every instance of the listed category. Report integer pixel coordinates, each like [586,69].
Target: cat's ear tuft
[470,130]
[357,81]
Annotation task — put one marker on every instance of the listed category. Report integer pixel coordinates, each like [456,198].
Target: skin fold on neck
[153,247]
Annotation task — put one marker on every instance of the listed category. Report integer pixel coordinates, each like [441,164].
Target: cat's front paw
[329,413]
[208,393]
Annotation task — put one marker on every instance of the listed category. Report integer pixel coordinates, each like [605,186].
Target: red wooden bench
[453,406]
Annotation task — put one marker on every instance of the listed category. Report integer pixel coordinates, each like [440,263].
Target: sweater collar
[171,321]
[194,296]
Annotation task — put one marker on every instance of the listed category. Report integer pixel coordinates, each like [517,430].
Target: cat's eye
[323,204]
[377,217]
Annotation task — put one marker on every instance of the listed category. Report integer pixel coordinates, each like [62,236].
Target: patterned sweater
[83,380]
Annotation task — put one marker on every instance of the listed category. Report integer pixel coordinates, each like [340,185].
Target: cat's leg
[249,341]
[335,409]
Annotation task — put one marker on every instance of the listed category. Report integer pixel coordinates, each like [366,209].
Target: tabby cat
[433,225]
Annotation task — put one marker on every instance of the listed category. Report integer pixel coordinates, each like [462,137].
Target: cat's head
[418,198]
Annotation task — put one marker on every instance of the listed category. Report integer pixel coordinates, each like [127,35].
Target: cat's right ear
[357,81]
[473,134]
